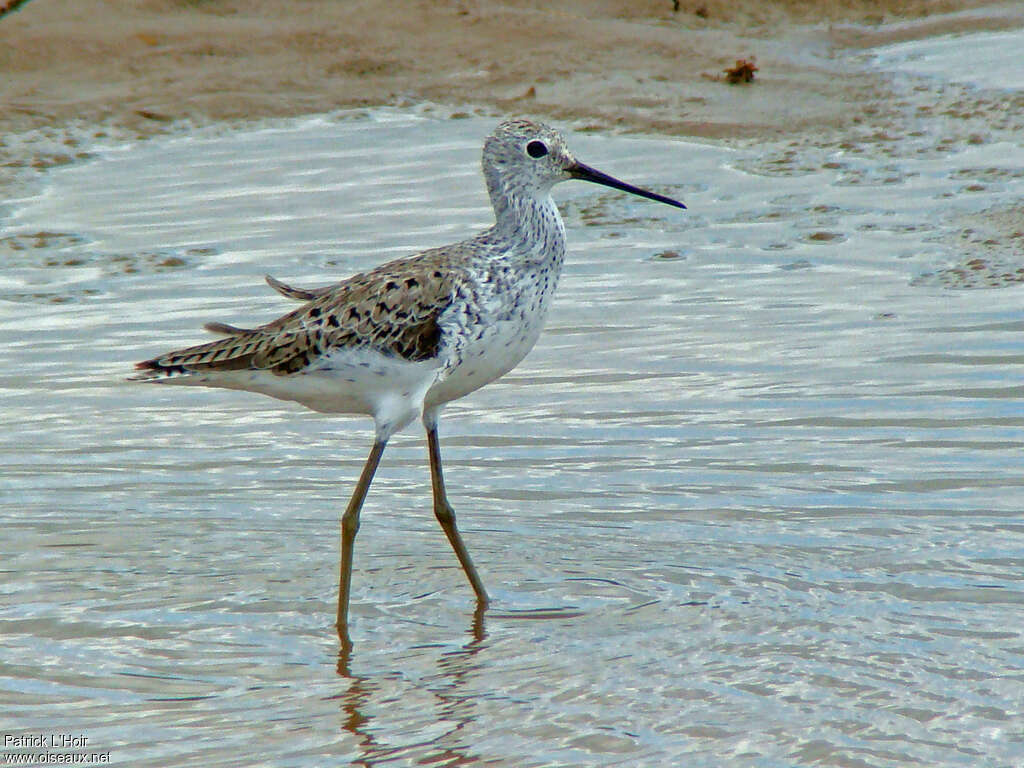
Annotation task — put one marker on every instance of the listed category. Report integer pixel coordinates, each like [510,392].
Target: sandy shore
[634,64]
[72,70]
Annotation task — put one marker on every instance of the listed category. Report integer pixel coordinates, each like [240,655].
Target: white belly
[500,348]
[357,381]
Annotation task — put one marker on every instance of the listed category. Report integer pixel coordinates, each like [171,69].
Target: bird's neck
[528,222]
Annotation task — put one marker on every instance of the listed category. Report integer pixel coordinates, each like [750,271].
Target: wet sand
[147,66]
[72,71]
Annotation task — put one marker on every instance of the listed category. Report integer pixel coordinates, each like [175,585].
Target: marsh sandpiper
[399,341]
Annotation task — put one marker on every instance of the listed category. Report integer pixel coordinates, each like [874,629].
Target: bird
[400,341]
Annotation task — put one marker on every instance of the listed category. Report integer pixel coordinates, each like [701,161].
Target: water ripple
[757,502]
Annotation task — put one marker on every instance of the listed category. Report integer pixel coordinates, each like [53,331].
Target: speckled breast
[490,334]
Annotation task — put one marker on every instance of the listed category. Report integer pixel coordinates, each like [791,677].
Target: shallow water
[984,59]
[754,499]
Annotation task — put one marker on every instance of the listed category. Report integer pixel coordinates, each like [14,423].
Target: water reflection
[452,686]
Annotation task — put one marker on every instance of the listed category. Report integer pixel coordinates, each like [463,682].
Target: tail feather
[298,294]
[223,329]
[284,346]
[230,354]
[243,347]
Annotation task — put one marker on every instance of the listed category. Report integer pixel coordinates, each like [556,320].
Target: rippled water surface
[754,499]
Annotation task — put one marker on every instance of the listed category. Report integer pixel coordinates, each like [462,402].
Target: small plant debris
[701,10]
[10,5]
[742,72]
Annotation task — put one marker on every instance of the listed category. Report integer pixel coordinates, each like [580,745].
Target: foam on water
[754,499]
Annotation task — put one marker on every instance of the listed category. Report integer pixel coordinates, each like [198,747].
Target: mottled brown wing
[394,309]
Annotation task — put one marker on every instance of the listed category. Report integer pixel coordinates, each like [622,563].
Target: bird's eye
[536,149]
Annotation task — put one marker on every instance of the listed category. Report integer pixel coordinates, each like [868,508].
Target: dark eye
[536,149]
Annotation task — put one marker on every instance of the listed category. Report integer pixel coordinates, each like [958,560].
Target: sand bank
[641,65]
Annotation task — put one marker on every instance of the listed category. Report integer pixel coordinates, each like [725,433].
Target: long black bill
[586,173]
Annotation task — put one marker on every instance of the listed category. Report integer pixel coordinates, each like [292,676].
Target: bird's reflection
[448,685]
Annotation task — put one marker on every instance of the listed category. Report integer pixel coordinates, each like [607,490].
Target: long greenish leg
[446,516]
[349,528]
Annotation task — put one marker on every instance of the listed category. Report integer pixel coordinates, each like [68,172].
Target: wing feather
[395,309]
[293,292]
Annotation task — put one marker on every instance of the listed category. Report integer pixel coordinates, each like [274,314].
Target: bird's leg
[349,527]
[446,516]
